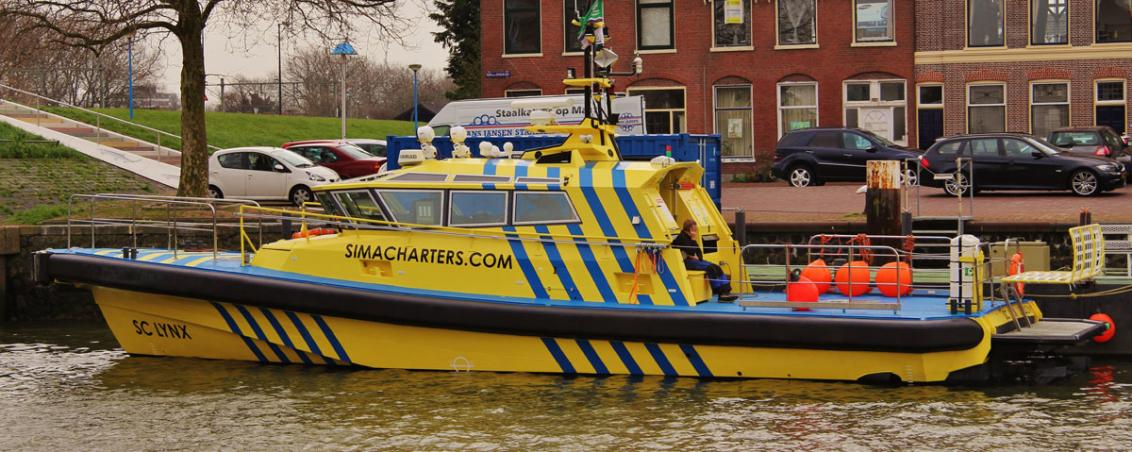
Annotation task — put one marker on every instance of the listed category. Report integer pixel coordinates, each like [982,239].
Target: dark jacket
[688,245]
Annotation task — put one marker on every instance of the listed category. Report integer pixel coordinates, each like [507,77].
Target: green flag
[596,13]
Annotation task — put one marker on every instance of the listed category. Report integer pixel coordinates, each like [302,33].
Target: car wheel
[1084,183]
[301,194]
[909,178]
[957,185]
[214,192]
[801,176]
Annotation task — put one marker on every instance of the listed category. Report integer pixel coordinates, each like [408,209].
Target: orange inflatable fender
[818,272]
[894,279]
[1110,327]
[1017,265]
[852,279]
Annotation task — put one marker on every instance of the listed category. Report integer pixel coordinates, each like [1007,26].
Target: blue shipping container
[685,147]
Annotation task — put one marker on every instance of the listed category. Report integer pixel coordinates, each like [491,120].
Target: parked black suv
[1017,161]
[813,156]
[1101,141]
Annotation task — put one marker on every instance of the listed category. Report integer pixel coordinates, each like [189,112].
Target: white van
[497,118]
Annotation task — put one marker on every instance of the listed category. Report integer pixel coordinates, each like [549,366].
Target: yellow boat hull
[161,325]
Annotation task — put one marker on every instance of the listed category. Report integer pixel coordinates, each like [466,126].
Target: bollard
[741,227]
[905,223]
[1085,218]
[882,205]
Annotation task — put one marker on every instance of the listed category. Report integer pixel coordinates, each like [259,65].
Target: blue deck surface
[922,305]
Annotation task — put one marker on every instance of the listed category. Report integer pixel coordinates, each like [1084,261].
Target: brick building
[1021,65]
[749,70]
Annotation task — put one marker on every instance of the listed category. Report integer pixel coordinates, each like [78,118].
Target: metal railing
[98,117]
[172,225]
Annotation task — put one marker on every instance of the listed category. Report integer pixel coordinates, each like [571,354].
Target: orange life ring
[1017,265]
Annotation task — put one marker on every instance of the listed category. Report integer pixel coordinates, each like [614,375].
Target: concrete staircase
[149,160]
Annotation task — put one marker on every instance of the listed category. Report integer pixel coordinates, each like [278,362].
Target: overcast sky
[254,53]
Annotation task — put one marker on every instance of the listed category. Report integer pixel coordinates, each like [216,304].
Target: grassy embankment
[226,130]
[37,178]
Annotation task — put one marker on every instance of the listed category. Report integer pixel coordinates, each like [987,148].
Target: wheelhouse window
[732,23]
[655,24]
[571,40]
[1114,21]
[797,22]
[664,109]
[985,23]
[414,206]
[1049,22]
[543,208]
[1110,106]
[872,21]
[359,204]
[521,31]
[1049,107]
[797,106]
[878,106]
[733,121]
[986,108]
[477,208]
[522,92]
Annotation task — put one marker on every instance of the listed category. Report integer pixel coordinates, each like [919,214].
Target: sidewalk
[777,202]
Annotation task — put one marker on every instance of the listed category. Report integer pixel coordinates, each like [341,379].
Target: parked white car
[265,173]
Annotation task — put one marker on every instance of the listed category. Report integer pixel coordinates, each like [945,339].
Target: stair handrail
[103,115]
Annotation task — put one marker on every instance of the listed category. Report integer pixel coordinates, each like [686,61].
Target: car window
[794,139]
[854,141]
[353,151]
[294,159]
[950,148]
[374,149]
[983,147]
[1070,139]
[260,162]
[1114,142]
[310,153]
[326,155]
[235,160]
[1018,148]
[826,140]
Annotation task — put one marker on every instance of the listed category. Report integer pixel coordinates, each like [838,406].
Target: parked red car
[348,160]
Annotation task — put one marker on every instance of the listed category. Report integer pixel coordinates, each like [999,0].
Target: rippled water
[69,387]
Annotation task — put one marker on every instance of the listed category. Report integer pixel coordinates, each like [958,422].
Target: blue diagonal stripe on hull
[311,344]
[259,333]
[560,357]
[342,356]
[525,264]
[592,265]
[697,362]
[278,327]
[591,355]
[626,358]
[236,330]
[661,359]
[560,267]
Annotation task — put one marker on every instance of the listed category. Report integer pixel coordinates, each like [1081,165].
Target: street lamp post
[415,68]
[130,63]
[344,49]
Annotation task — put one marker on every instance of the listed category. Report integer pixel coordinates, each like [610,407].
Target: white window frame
[891,41]
[1005,102]
[1068,103]
[684,120]
[874,87]
[967,27]
[506,208]
[750,31]
[507,92]
[569,202]
[920,105]
[750,109]
[779,45]
[503,27]
[1068,25]
[778,103]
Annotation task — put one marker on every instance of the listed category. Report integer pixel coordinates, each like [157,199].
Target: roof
[1081,129]
[266,149]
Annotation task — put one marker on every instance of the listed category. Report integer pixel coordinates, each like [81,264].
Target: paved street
[840,202]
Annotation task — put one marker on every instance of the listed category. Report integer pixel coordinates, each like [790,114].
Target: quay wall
[22,300]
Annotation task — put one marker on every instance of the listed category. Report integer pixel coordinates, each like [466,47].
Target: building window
[733,121]
[571,40]
[521,27]
[797,106]
[985,23]
[1049,107]
[522,92]
[986,108]
[1049,22]
[797,22]
[664,109]
[1110,105]
[878,106]
[930,96]
[1114,21]
[873,21]
[655,24]
[732,23]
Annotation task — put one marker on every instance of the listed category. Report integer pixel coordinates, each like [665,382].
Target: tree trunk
[194,140]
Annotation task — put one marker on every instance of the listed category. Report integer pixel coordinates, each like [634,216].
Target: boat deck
[920,305]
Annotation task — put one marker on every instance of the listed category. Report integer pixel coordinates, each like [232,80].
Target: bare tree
[96,23]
